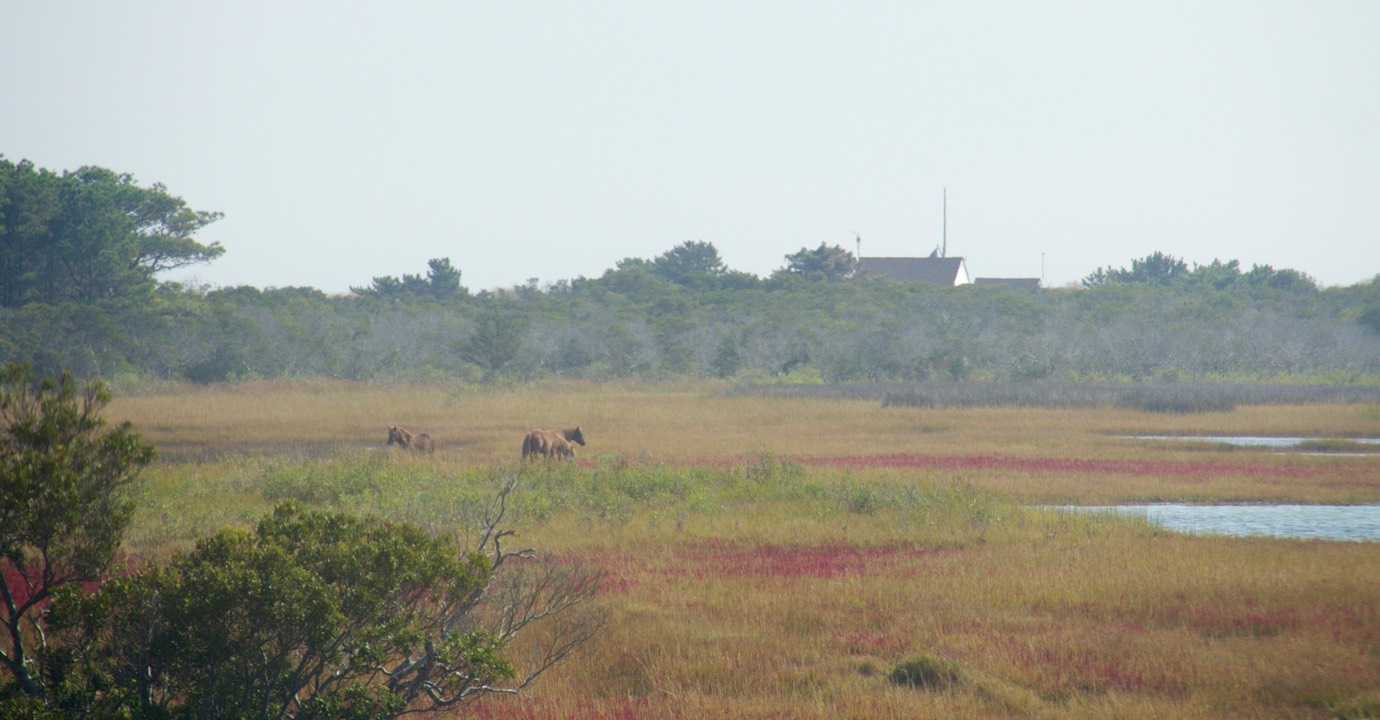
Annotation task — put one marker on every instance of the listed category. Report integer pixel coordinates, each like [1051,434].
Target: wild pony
[552,443]
[420,442]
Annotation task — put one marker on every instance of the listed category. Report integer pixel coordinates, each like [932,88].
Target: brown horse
[552,443]
[420,442]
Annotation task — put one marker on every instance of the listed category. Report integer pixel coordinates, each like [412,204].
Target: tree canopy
[690,263]
[1161,269]
[442,282]
[90,234]
[826,262]
[1157,268]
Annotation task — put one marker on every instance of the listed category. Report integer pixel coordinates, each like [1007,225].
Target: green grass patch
[925,672]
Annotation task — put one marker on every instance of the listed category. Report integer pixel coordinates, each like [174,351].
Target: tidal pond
[1325,522]
[1266,442]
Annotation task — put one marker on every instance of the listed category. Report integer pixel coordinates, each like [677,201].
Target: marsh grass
[679,422]
[1337,445]
[743,581]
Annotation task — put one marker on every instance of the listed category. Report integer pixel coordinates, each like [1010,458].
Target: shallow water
[1250,441]
[1327,522]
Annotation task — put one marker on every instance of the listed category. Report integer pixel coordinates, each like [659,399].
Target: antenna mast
[945,251]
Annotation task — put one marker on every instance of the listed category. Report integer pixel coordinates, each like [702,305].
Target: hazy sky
[346,140]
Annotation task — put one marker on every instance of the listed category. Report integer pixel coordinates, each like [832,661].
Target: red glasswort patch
[1092,671]
[879,644]
[732,560]
[738,560]
[21,584]
[1232,619]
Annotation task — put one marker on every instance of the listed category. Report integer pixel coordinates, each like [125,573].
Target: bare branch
[549,603]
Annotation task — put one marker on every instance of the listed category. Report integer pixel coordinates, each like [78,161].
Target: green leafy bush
[66,498]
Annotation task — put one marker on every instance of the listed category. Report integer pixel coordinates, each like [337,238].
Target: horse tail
[530,445]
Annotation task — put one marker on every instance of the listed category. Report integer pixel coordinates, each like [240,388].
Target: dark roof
[940,271]
[1027,283]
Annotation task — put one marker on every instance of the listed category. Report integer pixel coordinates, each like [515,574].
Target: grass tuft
[925,672]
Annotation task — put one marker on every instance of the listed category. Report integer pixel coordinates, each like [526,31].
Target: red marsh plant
[1073,626]
[726,559]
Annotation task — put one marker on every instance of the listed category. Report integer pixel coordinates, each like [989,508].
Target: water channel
[1325,522]
[1248,441]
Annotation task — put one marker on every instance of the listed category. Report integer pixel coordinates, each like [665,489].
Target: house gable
[935,270]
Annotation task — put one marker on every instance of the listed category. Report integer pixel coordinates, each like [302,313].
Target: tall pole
[945,251]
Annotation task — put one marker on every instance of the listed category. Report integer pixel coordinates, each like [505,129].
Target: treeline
[684,314]
[633,323]
[1161,269]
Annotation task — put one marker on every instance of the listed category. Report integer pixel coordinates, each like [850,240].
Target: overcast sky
[549,140]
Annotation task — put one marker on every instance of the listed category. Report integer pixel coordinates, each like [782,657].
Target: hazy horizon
[550,141]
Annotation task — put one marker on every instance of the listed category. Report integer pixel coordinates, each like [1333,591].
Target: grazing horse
[552,443]
[420,442]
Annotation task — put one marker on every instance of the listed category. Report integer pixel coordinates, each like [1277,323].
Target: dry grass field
[1033,455]
[779,557]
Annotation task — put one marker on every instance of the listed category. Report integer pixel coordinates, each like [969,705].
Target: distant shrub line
[1151,397]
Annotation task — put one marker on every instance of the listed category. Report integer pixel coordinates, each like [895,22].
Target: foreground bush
[65,503]
[316,615]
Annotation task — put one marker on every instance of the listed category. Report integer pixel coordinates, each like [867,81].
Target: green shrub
[861,498]
[317,484]
[926,672]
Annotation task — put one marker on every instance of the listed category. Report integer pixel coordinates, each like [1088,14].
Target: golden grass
[675,421]
[742,587]
[696,423]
